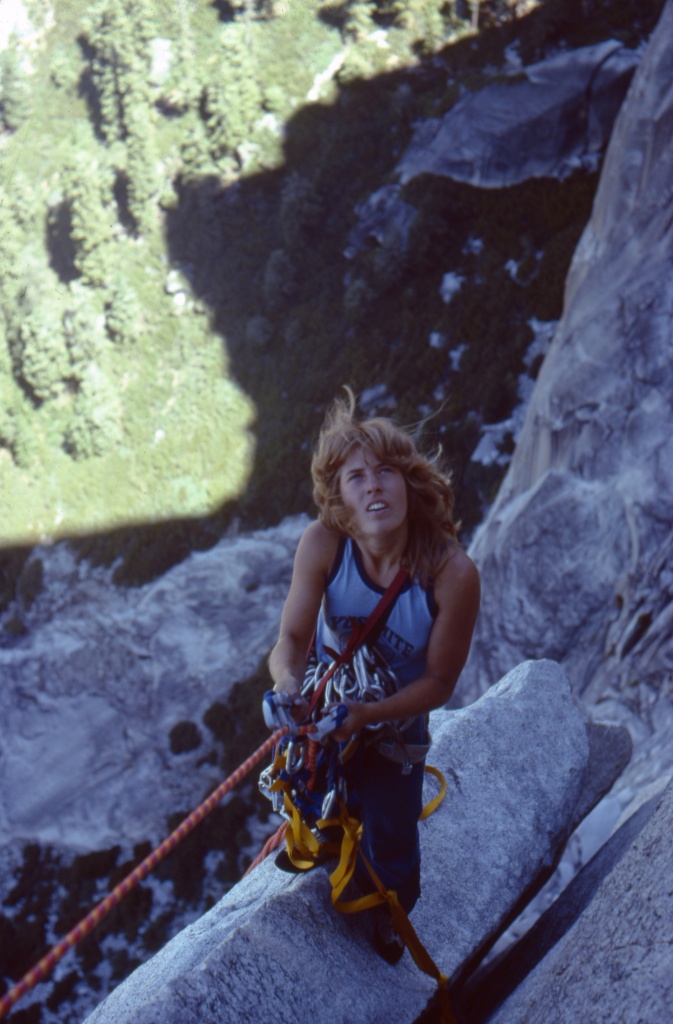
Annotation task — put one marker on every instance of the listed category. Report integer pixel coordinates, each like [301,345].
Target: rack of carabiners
[298,763]
[306,785]
[306,776]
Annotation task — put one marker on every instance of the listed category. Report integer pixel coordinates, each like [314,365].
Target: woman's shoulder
[319,544]
[457,573]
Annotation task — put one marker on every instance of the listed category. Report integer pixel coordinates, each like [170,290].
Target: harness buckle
[267,779]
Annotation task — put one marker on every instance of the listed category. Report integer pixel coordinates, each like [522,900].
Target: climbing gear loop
[366,678]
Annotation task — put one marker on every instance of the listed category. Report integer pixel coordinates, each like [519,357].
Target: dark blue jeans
[389,804]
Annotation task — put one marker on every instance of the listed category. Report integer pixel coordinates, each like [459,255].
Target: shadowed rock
[543,120]
[130,665]
[613,961]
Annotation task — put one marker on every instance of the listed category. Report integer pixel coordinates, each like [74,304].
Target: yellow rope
[433,804]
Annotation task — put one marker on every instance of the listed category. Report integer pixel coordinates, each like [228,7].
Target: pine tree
[87,189]
[12,242]
[84,327]
[141,168]
[301,209]
[16,96]
[280,281]
[96,424]
[33,348]
[122,312]
[232,99]
[40,354]
[195,149]
[120,34]
[183,88]
[359,22]
[423,21]
[16,435]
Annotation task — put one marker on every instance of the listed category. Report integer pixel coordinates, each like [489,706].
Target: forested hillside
[180,291]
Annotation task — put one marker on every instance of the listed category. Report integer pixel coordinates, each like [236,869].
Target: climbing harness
[305,780]
[317,829]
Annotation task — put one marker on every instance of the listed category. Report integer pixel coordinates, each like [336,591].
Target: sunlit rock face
[545,119]
[582,520]
[575,554]
[90,695]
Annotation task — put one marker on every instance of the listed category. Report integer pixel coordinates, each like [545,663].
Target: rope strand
[46,965]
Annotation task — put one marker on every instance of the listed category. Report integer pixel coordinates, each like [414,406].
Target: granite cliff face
[575,557]
[129,666]
[575,553]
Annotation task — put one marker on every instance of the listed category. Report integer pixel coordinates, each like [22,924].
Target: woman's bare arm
[313,561]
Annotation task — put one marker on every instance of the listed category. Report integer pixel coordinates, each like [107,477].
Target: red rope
[102,909]
[272,843]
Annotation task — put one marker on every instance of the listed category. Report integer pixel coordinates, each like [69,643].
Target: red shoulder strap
[361,633]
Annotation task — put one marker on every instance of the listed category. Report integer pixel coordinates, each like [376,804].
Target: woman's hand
[299,708]
[358,717]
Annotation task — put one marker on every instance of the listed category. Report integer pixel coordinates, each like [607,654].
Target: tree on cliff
[87,186]
[232,98]
[15,93]
[119,37]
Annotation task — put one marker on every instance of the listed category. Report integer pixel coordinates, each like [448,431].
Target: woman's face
[374,494]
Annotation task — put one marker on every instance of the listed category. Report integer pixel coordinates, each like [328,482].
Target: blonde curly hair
[430,517]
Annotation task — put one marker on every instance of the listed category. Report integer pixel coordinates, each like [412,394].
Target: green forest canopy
[179,180]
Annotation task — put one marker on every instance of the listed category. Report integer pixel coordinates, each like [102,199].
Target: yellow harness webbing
[305,850]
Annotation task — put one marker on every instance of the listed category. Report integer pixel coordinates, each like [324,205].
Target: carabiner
[295,755]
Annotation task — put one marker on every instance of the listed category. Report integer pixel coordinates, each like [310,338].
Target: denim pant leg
[390,805]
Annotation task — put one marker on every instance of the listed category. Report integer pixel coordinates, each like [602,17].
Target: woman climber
[383,507]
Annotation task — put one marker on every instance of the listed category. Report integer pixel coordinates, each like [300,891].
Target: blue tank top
[351,594]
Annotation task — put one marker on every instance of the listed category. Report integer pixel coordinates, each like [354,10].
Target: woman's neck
[381,557]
